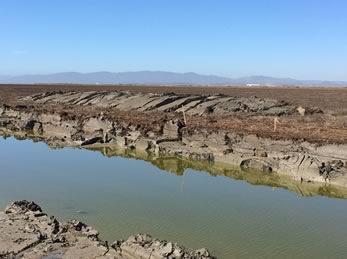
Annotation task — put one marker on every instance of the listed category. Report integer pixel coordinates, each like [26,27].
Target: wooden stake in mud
[276,121]
[104,137]
[184,118]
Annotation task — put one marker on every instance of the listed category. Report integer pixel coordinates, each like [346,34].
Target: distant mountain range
[160,78]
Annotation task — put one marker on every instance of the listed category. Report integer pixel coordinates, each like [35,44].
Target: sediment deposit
[27,232]
[192,127]
[190,104]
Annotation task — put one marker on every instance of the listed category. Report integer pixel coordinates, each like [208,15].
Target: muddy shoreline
[27,232]
[157,123]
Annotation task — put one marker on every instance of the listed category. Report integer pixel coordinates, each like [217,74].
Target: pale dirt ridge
[28,233]
[191,104]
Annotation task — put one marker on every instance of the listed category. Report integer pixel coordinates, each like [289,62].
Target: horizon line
[165,71]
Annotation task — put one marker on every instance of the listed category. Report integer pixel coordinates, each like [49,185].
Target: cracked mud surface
[27,232]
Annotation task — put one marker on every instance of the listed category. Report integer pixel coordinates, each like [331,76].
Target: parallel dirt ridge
[169,102]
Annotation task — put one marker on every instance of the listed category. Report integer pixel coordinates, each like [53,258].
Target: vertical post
[184,118]
[276,121]
[104,136]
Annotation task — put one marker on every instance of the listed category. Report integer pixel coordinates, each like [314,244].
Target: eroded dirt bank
[27,232]
[216,128]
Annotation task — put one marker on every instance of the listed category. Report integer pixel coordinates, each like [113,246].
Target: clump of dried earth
[27,232]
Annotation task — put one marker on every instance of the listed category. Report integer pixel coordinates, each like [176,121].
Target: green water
[165,198]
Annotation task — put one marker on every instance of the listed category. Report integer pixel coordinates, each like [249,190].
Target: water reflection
[178,166]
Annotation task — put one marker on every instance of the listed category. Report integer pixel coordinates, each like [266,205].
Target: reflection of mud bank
[26,232]
[88,125]
[255,177]
[178,166]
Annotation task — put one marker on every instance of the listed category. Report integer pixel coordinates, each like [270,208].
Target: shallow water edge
[178,165]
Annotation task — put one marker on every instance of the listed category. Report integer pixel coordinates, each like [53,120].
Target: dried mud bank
[298,159]
[170,102]
[26,232]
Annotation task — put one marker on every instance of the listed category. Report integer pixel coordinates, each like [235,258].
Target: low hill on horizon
[159,78]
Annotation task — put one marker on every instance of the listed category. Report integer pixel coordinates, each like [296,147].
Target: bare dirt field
[328,127]
[334,99]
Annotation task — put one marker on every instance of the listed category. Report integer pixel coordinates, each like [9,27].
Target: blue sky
[304,39]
